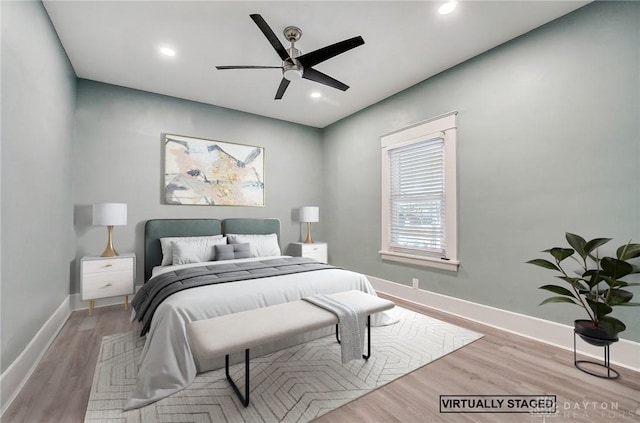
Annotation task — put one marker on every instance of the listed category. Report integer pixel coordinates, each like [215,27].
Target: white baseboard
[14,378]
[624,353]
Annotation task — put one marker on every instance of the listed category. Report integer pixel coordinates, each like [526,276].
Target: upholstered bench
[252,328]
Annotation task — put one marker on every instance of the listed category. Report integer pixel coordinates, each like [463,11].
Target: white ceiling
[117,42]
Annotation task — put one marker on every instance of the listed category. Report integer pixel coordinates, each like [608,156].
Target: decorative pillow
[261,245]
[167,248]
[231,251]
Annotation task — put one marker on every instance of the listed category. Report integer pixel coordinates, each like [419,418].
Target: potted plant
[596,285]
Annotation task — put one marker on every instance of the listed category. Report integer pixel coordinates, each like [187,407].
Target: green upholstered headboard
[158,228]
[251,226]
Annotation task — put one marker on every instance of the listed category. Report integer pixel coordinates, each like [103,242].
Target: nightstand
[102,277]
[315,250]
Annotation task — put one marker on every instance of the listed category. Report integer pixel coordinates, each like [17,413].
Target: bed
[167,364]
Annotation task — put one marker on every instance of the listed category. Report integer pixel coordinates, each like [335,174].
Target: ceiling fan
[296,65]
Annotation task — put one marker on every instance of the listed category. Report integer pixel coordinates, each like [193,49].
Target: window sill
[450,265]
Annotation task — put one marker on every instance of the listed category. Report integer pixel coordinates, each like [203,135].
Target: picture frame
[207,172]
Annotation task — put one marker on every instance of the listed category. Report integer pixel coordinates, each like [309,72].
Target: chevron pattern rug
[297,384]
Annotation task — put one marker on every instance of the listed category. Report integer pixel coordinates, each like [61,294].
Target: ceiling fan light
[292,74]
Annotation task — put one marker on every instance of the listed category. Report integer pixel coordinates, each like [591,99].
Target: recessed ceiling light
[316,94]
[447,7]
[168,51]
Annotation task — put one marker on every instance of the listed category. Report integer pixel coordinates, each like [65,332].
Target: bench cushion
[216,337]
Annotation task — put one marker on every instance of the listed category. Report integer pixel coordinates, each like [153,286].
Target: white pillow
[186,252]
[167,252]
[194,251]
[261,245]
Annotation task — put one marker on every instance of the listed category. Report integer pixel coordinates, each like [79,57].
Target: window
[419,211]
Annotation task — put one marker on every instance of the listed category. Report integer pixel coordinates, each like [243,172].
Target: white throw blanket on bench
[352,324]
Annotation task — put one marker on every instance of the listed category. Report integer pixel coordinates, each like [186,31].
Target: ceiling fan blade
[282,88]
[268,32]
[325,53]
[247,67]
[316,76]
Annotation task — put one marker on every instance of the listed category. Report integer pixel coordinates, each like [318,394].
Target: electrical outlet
[416,283]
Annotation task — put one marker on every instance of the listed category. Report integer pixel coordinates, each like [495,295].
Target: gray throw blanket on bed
[158,288]
[352,321]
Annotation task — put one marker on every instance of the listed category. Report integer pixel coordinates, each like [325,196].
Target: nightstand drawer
[107,284]
[313,249]
[107,265]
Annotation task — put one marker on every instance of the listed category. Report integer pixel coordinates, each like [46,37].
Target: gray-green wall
[38,244]
[117,158]
[548,142]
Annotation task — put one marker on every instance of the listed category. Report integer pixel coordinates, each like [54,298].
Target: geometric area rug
[296,384]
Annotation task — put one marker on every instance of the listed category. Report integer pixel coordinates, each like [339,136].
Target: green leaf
[596,296]
[558,290]
[575,282]
[612,325]
[628,251]
[578,243]
[544,263]
[558,300]
[615,268]
[613,283]
[628,305]
[599,309]
[592,277]
[619,284]
[560,253]
[595,243]
[619,296]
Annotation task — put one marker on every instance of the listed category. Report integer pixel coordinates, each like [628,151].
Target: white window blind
[418,194]
[417,198]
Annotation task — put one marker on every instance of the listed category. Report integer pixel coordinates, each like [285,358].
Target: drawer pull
[108,265]
[107,285]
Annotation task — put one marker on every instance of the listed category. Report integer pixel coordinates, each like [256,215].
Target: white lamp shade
[309,214]
[110,214]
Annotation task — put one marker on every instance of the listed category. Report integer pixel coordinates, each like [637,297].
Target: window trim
[441,125]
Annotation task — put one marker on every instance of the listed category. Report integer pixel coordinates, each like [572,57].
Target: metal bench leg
[366,357]
[244,400]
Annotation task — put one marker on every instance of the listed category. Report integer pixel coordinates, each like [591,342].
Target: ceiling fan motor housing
[292,69]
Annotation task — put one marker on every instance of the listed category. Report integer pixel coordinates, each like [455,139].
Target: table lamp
[109,215]
[309,214]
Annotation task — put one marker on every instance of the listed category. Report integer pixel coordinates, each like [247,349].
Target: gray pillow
[232,251]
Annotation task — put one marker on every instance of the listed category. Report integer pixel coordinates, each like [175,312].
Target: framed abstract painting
[212,173]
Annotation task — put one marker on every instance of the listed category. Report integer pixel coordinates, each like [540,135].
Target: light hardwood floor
[498,364]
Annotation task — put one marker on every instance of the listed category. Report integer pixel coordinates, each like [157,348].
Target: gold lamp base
[109,251]
[309,240]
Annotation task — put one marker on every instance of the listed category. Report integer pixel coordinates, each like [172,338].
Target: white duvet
[166,363]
